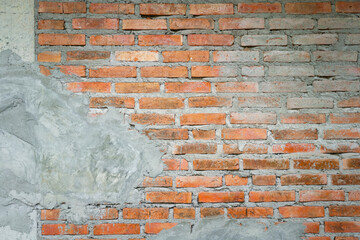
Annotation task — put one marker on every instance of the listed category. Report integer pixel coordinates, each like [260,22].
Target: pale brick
[333,56]
[236,56]
[286,56]
[264,40]
[253,71]
[338,70]
[352,39]
[336,86]
[338,23]
[315,39]
[286,86]
[298,103]
[291,23]
[291,71]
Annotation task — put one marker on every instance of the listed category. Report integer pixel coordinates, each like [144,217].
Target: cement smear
[52,152]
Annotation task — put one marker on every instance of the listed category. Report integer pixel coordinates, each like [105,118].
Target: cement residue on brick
[52,152]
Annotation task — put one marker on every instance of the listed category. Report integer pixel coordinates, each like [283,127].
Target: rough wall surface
[256,105]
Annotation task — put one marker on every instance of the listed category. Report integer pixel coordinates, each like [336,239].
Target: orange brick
[53,39]
[212,9]
[352,133]
[153,119]
[344,211]
[316,164]
[249,148]
[302,118]
[164,72]
[237,87]
[253,118]
[221,197]
[345,179]
[119,102]
[259,212]
[113,72]
[62,7]
[175,164]
[95,23]
[63,229]
[243,133]
[342,227]
[264,180]
[50,215]
[51,24]
[184,213]
[74,7]
[301,212]
[157,9]
[137,56]
[87,55]
[241,23]
[160,40]
[144,24]
[322,195]
[112,40]
[187,87]
[195,148]
[210,40]
[112,8]
[167,134]
[308,8]
[161,103]
[49,56]
[265,164]
[351,163]
[155,228]
[312,227]
[213,71]
[198,181]
[202,119]
[204,134]
[340,148]
[344,118]
[186,56]
[73,70]
[157,182]
[304,179]
[116,229]
[89,87]
[211,212]
[137,87]
[216,164]
[237,212]
[210,102]
[293,148]
[234,180]
[259,7]
[168,197]
[106,214]
[295,134]
[348,7]
[272,196]
[145,213]
[194,23]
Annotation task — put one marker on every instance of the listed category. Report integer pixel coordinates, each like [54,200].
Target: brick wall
[256,104]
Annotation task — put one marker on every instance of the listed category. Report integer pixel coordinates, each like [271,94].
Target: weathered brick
[64,229]
[213,71]
[118,102]
[342,227]
[253,118]
[312,227]
[236,87]
[50,215]
[187,87]
[254,164]
[168,197]
[253,71]
[301,212]
[321,195]
[286,56]
[153,119]
[198,181]
[259,102]
[302,118]
[89,87]
[72,70]
[167,134]
[212,9]
[291,23]
[192,23]
[324,164]
[106,214]
[338,23]
[157,182]
[351,163]
[137,56]
[62,7]
[237,212]
[272,196]
[113,72]
[352,133]
[184,213]
[209,102]
[161,103]
[202,118]
[221,197]
[210,39]
[186,56]
[248,148]
[352,39]
[166,9]
[264,40]
[112,8]
[87,55]
[145,213]
[338,71]
[155,228]
[241,23]
[333,56]
[51,24]
[264,180]
[315,39]
[298,103]
[283,86]
[340,148]
[295,134]
[293,71]
[49,56]
[216,164]
[344,211]
[308,7]
[347,7]
[243,133]
[195,148]
[137,87]
[354,196]
[211,212]
[293,148]
[346,238]
[112,40]
[350,102]
[53,39]
[259,212]
[95,23]
[164,72]
[303,179]
[144,24]
[175,164]
[259,7]
[236,56]
[160,40]
[204,134]
[235,180]
[345,179]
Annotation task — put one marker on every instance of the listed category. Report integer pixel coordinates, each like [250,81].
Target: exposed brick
[168,197]
[291,23]
[241,23]
[64,229]
[144,24]
[175,164]
[210,39]
[264,40]
[308,8]
[293,148]
[272,196]
[145,213]
[50,215]
[186,56]
[202,118]
[283,86]
[119,102]
[332,56]
[323,164]
[346,238]
[211,212]
[235,180]
[210,102]
[344,211]
[351,163]
[187,87]
[302,118]
[203,134]
[157,9]
[89,87]
[112,8]
[184,213]
[195,148]
[53,39]
[62,7]
[354,196]
[157,182]
[192,23]
[137,56]
[303,179]
[248,148]
[315,39]
[221,197]
[74,7]
[295,134]
[336,86]
[113,72]
[312,227]
[259,7]
[160,40]
[342,227]
[352,133]
[259,212]
[87,55]
[136,87]
[161,103]
[350,102]
[338,23]
[293,71]
[321,195]
[211,9]
[340,148]
[153,119]
[302,212]
[352,39]
[338,71]
[264,180]
[254,164]
[253,118]
[298,103]
[164,72]
[51,24]
[236,56]
[236,87]
[49,56]
[346,179]
[216,164]
[155,228]
[213,71]
[259,102]
[253,71]
[198,181]
[237,212]
[243,133]
[72,70]
[347,7]
[286,56]
[95,23]
[112,40]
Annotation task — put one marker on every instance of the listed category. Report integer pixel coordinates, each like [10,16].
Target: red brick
[211,212]
[153,119]
[340,148]
[164,72]
[45,70]
[202,118]
[295,134]
[113,72]
[303,179]
[308,8]
[137,56]
[53,39]
[258,101]
[350,102]
[157,182]
[344,211]
[352,133]
[145,213]
[161,103]
[119,102]
[167,134]
[323,164]
[216,164]
[112,40]
[237,212]
[209,102]
[346,179]
[144,24]
[241,23]
[187,87]
[264,180]
[51,24]
[155,228]
[72,70]
[259,212]
[345,118]
[272,196]
[213,71]
[64,229]
[198,181]
[293,148]
[168,197]
[116,229]
[259,7]
[237,87]
[346,238]
[160,40]
[62,7]
[175,164]
[243,133]
[354,196]
[112,8]
[106,214]
[212,9]
[351,163]
[221,197]
[74,7]
[210,40]
[192,23]
[157,9]
[186,56]
[301,212]
[348,7]
[254,164]
[322,195]
[302,118]
[95,23]
[137,87]
[342,227]
[49,56]
[89,87]
[235,180]
[318,238]
[87,55]
[184,213]
[195,148]
[50,214]
[249,148]
[312,227]
[204,134]
[253,118]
